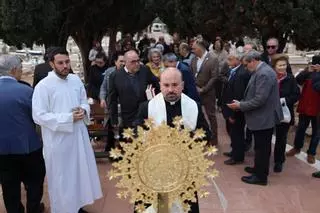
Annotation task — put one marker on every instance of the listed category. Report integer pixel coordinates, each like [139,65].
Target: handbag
[285,111]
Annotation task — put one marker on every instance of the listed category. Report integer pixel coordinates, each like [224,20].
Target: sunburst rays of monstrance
[162,165]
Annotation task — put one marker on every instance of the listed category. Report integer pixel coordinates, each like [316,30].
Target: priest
[60,107]
[170,103]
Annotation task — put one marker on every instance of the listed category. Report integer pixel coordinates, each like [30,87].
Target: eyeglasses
[271,47]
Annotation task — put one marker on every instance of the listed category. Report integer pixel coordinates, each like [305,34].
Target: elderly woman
[155,62]
[289,95]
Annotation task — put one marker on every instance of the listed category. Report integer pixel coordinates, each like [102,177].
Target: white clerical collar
[173,102]
[204,55]
[177,64]
[126,69]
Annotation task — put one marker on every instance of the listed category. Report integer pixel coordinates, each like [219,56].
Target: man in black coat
[96,75]
[128,88]
[272,48]
[234,90]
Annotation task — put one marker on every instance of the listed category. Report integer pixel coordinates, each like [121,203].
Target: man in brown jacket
[206,70]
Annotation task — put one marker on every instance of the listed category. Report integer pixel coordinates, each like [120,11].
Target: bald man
[170,103]
[127,87]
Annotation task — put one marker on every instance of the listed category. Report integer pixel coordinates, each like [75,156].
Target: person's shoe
[292,152]
[277,167]
[311,159]
[316,174]
[228,154]
[249,169]
[254,180]
[232,162]
[82,211]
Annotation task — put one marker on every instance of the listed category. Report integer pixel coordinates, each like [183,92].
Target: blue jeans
[304,121]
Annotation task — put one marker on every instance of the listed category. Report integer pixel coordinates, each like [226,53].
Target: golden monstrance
[162,166]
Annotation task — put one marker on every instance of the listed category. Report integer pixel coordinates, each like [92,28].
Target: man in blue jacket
[21,157]
[190,89]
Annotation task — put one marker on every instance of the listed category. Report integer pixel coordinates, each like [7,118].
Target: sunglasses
[271,47]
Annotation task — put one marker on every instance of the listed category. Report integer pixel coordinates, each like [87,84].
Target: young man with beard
[60,107]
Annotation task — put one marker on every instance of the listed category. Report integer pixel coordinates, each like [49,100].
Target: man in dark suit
[234,90]
[171,60]
[272,48]
[128,88]
[41,70]
[262,110]
[206,70]
[21,157]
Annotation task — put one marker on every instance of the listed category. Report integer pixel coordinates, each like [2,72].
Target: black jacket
[95,79]
[40,72]
[123,91]
[234,90]
[289,90]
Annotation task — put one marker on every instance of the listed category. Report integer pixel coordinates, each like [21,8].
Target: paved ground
[293,191]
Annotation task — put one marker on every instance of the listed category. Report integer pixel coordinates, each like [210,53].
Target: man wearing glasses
[272,48]
[128,87]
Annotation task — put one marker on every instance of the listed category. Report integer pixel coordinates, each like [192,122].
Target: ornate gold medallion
[163,160]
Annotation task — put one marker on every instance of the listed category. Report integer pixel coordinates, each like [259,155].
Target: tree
[51,22]
[283,19]
[26,22]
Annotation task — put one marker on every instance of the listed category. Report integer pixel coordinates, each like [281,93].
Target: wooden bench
[97,128]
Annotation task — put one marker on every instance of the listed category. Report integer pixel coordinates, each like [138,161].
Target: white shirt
[201,60]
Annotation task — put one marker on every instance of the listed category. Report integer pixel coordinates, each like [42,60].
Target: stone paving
[292,191]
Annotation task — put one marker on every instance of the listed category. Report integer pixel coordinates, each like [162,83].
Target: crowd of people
[256,93]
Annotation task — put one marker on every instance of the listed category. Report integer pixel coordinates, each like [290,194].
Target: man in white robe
[168,104]
[60,107]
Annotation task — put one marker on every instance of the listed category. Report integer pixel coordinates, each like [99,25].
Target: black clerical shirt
[173,110]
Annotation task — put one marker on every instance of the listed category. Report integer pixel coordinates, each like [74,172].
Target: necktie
[232,73]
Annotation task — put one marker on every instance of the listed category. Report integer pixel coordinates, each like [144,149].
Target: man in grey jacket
[262,110]
[119,63]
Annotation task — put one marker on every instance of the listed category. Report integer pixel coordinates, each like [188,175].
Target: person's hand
[312,68]
[235,105]
[103,104]
[78,114]
[231,120]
